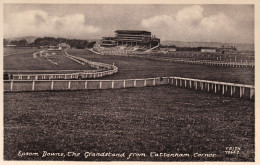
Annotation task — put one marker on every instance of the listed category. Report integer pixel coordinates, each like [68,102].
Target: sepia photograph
[129,82]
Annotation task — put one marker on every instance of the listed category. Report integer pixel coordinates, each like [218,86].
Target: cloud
[189,24]
[193,13]
[157,21]
[40,23]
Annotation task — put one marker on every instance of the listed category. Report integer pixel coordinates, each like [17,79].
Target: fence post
[112,85]
[100,84]
[154,82]
[251,93]
[52,83]
[86,84]
[11,86]
[124,84]
[144,82]
[69,84]
[33,83]
[240,92]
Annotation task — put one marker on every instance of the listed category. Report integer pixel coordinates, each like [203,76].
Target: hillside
[29,39]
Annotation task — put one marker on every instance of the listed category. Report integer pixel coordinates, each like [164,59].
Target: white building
[208,49]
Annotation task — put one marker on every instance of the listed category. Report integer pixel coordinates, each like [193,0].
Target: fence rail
[223,88]
[215,63]
[42,85]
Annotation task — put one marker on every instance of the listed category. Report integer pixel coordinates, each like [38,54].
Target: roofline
[132,31]
[108,37]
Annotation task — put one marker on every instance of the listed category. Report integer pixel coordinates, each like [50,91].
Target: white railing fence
[223,88]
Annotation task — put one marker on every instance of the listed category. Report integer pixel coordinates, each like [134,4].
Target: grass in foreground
[143,120]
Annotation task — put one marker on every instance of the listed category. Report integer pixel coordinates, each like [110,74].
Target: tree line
[51,41]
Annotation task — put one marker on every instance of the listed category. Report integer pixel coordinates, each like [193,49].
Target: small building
[225,49]
[42,47]
[54,48]
[10,45]
[171,48]
[64,46]
[208,49]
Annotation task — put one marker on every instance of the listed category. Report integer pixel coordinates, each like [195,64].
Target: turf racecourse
[134,67]
[25,61]
[158,119]
[143,120]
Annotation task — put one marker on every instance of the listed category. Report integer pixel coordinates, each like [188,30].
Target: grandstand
[129,41]
[136,38]
[108,42]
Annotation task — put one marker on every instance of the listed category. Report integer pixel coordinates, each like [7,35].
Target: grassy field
[133,67]
[143,120]
[11,51]
[25,61]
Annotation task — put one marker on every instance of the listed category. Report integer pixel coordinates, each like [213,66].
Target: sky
[205,23]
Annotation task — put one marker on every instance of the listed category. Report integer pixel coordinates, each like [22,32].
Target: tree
[74,43]
[91,44]
[22,42]
[6,42]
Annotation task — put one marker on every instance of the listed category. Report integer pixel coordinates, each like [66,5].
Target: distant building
[10,45]
[54,48]
[166,48]
[208,49]
[189,49]
[42,47]
[64,46]
[225,49]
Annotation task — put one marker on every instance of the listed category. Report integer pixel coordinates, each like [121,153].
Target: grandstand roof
[132,31]
[109,38]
